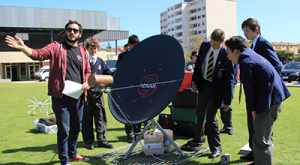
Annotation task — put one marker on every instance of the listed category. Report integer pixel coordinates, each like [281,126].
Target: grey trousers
[262,142]
[206,106]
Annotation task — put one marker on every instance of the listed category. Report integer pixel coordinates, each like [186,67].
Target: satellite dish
[147,79]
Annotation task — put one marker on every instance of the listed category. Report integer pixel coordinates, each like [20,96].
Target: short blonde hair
[91,42]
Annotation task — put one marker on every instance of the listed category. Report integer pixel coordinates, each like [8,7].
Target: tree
[285,56]
[190,44]
[108,46]
[297,58]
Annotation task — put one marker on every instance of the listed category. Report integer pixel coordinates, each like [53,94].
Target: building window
[160,21]
[165,26]
[199,9]
[178,27]
[161,15]
[178,20]
[172,29]
[203,8]
[169,23]
[199,32]
[178,13]
[171,8]
[194,33]
[164,13]
[193,4]
[172,22]
[165,32]
[179,34]
[203,23]
[23,36]
[173,35]
[168,29]
[199,16]
[203,1]
[161,27]
[172,15]
[178,6]
[198,2]
[168,9]
[199,24]
[204,31]
[193,11]
[168,16]
[193,18]
[203,16]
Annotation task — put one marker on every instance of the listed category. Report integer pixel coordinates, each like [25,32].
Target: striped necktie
[210,66]
[93,61]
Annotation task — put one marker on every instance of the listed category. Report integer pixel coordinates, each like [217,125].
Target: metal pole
[116,48]
[51,35]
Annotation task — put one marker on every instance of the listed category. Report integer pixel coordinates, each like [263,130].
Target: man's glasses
[74,30]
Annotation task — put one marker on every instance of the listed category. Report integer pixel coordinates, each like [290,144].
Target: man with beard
[68,61]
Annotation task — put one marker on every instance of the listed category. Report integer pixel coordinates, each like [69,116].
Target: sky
[279,20]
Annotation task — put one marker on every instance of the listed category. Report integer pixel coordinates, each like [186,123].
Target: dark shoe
[229,131]
[89,146]
[192,141]
[248,157]
[106,145]
[203,141]
[223,130]
[215,154]
[191,146]
[253,163]
[130,140]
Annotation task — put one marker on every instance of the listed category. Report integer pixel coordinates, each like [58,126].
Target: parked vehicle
[291,72]
[42,74]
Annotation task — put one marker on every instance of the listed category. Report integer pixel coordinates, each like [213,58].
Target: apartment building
[286,46]
[199,17]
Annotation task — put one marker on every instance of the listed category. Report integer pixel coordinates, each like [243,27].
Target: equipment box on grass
[43,128]
[185,98]
[186,114]
[184,128]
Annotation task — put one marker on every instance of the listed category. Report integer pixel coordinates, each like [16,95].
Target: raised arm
[18,43]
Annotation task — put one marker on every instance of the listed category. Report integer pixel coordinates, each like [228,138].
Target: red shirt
[56,52]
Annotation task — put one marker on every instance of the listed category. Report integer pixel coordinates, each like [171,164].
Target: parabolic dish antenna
[147,79]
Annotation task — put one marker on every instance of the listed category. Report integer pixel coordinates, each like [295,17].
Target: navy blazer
[265,49]
[222,78]
[100,68]
[263,86]
[120,57]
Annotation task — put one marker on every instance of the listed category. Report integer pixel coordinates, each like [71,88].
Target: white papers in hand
[72,89]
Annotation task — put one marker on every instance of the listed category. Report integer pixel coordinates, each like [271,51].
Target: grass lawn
[21,144]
